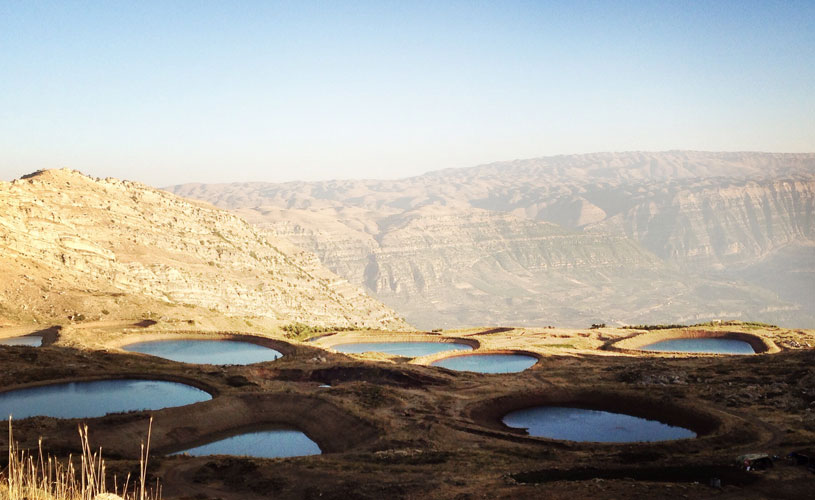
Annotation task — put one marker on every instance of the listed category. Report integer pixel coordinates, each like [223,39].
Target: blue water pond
[702,345]
[275,443]
[97,398]
[578,424]
[213,352]
[29,340]
[488,363]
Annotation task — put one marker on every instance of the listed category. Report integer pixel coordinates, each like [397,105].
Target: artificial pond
[710,345]
[97,398]
[488,363]
[273,443]
[579,424]
[28,340]
[212,352]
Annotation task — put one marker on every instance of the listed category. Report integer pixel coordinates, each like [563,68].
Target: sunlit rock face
[613,237]
[724,225]
[74,246]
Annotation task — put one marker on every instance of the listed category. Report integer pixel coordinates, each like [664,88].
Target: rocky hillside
[629,237]
[722,224]
[83,248]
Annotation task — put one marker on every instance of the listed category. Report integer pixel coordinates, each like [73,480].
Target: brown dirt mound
[375,375]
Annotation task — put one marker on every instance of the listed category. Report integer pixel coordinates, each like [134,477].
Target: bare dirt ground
[391,427]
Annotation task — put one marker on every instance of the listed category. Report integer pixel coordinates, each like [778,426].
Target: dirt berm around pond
[392,429]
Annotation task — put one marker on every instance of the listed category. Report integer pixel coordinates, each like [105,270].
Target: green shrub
[653,327]
[301,331]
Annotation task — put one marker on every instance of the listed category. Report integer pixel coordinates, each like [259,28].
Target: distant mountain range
[619,238]
[77,248]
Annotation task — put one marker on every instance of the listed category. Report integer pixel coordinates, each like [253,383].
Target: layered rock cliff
[626,237]
[720,226]
[74,246]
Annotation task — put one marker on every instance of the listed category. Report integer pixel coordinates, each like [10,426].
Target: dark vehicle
[755,461]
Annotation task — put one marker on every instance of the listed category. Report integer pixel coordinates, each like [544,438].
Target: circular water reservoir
[29,340]
[278,443]
[488,363]
[702,345]
[578,424]
[97,398]
[407,349]
[212,352]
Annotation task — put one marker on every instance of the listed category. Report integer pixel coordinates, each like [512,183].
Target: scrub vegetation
[746,324]
[301,331]
[35,476]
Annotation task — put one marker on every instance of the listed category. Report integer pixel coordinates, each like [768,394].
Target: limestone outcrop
[74,246]
[679,236]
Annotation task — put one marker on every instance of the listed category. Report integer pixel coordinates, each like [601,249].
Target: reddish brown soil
[391,429]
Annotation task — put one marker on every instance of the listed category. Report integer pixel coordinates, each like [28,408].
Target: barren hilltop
[78,248]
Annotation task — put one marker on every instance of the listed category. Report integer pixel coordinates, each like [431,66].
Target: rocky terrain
[394,427]
[618,237]
[77,248]
[83,258]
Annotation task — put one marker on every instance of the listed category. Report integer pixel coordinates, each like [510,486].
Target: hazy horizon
[539,191]
[400,177]
[172,92]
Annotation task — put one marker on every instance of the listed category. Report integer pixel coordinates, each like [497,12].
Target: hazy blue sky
[168,92]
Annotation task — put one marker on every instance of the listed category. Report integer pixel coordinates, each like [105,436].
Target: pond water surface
[488,363]
[97,398]
[407,349]
[703,345]
[277,443]
[212,352]
[577,424]
[29,340]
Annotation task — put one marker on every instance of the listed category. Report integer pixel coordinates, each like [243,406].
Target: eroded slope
[78,247]
[615,237]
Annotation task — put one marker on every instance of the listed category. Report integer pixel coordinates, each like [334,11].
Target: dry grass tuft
[37,477]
